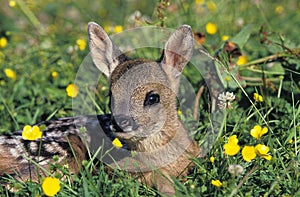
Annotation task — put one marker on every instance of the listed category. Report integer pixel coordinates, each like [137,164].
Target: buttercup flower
[54,74]
[211,6]
[233,139]
[225,100]
[258,98]
[216,183]
[31,133]
[199,1]
[179,112]
[72,90]
[227,79]
[279,9]
[211,28]
[12,3]
[10,73]
[231,147]
[117,143]
[212,159]
[258,131]
[81,43]
[249,153]
[262,151]
[118,29]
[242,59]
[224,38]
[3,42]
[107,28]
[50,186]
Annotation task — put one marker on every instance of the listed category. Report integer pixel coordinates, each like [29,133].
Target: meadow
[254,44]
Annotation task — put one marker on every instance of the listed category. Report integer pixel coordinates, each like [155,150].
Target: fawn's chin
[124,133]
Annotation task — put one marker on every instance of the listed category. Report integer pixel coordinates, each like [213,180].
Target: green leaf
[270,69]
[242,37]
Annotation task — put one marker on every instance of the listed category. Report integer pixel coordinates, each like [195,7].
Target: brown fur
[163,146]
[159,136]
[30,167]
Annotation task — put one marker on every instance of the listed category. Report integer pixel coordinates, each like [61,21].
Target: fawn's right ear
[106,56]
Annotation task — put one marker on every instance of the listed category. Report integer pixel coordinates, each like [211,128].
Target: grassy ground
[43,45]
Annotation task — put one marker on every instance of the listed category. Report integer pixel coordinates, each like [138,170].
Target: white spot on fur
[33,146]
[14,152]
[51,147]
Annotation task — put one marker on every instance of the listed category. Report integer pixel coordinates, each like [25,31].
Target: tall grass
[41,39]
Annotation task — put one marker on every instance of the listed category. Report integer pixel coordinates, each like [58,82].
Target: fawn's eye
[151,99]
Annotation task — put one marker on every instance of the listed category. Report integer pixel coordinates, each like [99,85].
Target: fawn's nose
[124,123]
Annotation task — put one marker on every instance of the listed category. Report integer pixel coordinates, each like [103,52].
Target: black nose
[124,123]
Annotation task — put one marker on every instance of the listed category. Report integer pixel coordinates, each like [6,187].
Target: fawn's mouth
[127,132]
[123,124]
[117,129]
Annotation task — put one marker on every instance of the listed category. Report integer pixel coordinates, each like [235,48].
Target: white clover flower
[226,99]
[235,169]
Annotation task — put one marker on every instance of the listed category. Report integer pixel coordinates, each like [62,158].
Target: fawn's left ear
[179,48]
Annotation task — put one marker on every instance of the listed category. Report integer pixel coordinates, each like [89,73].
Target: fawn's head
[142,92]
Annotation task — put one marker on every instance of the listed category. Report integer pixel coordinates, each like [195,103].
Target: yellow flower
[211,6]
[179,112]
[258,98]
[242,59]
[224,38]
[50,186]
[262,151]
[107,28]
[199,1]
[10,73]
[81,43]
[233,139]
[279,9]
[3,42]
[199,9]
[12,3]
[211,28]
[117,143]
[212,159]
[258,131]
[72,90]
[54,74]
[216,183]
[249,153]
[227,79]
[192,186]
[231,147]
[31,133]
[118,29]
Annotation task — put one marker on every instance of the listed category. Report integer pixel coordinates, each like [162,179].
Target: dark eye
[151,99]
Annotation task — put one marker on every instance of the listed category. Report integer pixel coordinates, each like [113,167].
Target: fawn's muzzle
[124,123]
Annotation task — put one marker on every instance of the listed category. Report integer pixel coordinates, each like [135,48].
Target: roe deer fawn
[144,116]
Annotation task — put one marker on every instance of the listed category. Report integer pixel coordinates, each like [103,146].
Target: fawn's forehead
[135,74]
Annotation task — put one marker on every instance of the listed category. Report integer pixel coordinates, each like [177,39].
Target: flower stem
[30,15]
[243,180]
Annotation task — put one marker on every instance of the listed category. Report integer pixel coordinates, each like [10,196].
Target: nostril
[124,123]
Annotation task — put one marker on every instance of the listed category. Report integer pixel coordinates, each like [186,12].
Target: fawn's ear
[106,56]
[178,50]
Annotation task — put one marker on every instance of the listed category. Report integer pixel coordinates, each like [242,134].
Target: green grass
[42,39]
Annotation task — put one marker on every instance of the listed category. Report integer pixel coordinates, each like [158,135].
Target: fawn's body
[144,116]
